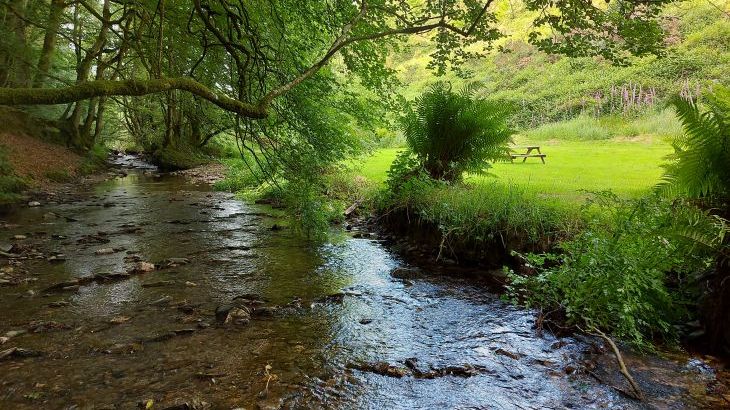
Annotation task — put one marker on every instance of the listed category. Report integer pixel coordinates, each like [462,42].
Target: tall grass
[662,124]
[491,211]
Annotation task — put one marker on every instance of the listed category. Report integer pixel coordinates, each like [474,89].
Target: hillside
[547,88]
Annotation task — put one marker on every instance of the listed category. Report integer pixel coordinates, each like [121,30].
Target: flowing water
[330,326]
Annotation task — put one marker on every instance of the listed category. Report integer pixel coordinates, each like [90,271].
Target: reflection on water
[331,308]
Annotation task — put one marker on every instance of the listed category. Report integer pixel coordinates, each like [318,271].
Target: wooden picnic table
[528,153]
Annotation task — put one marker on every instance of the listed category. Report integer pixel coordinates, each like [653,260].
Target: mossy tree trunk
[14,67]
[49,41]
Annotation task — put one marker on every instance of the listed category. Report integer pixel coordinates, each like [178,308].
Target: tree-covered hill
[545,88]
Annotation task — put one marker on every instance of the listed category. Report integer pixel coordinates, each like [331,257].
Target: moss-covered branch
[106,88]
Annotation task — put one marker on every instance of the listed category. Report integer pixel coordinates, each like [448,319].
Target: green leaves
[614,30]
[630,272]
[700,165]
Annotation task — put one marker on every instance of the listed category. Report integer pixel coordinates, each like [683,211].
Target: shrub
[451,133]
[10,184]
[700,165]
[172,159]
[95,160]
[311,210]
[238,176]
[59,175]
[631,272]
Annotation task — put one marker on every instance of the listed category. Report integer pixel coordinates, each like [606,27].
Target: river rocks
[405,273]
[18,352]
[13,333]
[412,368]
[557,345]
[381,368]
[60,258]
[168,335]
[142,267]
[251,299]
[163,301]
[4,339]
[20,249]
[19,237]
[119,320]
[238,316]
[230,314]
[158,284]
[124,348]
[194,404]
[47,326]
[173,262]
[366,321]
[98,238]
[264,311]
[221,312]
[104,251]
[511,355]
[49,216]
[33,204]
[333,298]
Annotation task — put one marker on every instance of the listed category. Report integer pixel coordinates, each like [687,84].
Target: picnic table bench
[528,153]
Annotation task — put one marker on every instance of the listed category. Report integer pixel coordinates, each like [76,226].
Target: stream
[238,313]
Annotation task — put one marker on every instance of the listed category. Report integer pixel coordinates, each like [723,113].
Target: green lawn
[626,167]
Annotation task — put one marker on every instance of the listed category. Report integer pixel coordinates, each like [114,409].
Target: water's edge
[87,323]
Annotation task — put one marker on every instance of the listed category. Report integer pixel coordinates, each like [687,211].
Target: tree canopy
[284,73]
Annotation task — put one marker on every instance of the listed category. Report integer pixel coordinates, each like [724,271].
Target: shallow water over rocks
[326,326]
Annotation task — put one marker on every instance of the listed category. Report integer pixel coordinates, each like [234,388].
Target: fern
[700,165]
[456,132]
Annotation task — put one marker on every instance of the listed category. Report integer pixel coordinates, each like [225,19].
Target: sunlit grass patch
[629,167]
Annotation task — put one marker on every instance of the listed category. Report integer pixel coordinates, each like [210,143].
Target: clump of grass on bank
[11,186]
[312,206]
[59,175]
[173,159]
[485,213]
[95,160]
[238,177]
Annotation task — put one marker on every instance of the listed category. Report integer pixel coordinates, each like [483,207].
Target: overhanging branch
[108,88]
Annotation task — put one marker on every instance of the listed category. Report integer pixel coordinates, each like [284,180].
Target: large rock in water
[142,267]
[238,316]
[230,314]
[405,273]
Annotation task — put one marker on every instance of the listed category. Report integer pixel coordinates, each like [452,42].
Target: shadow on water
[322,314]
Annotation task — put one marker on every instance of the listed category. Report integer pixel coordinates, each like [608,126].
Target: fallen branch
[353,207]
[622,365]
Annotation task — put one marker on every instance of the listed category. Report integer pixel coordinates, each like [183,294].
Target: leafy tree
[269,47]
[275,67]
[456,132]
